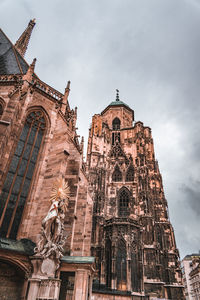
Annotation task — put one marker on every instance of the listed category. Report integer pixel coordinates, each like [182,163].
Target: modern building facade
[195,279]
[190,266]
[132,237]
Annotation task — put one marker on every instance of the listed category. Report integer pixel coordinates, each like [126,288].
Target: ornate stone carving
[50,245]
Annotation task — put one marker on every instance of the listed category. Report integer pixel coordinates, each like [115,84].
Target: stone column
[34,285]
[81,285]
[43,284]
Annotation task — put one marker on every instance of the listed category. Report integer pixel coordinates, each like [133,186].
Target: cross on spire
[117,95]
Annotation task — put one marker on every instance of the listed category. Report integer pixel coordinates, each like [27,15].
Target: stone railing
[47,89]
[37,82]
[12,77]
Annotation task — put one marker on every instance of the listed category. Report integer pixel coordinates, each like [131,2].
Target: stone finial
[117,95]
[82,143]
[22,43]
[68,86]
[65,98]
[30,71]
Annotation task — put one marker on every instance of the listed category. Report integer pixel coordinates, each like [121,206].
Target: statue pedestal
[43,284]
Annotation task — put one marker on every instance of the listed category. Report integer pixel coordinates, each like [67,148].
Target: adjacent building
[190,266]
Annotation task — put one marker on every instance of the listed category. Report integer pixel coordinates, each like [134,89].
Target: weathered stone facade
[116,209]
[38,144]
[132,237]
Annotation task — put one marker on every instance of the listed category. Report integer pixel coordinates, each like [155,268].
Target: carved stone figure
[52,239]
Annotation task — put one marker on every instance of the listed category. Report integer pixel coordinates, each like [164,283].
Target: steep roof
[117,102]
[11,62]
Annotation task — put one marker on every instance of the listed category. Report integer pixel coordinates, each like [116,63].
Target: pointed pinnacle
[30,71]
[22,43]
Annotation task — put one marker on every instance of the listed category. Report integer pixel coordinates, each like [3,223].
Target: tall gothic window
[19,176]
[124,199]
[116,124]
[121,265]
[117,174]
[135,271]
[108,255]
[130,174]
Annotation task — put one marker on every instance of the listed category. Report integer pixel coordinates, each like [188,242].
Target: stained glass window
[117,174]
[19,176]
[123,202]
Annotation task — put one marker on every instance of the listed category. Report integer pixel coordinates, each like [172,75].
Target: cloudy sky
[150,51]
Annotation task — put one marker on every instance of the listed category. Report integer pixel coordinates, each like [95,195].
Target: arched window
[117,174]
[116,124]
[19,176]
[130,174]
[121,265]
[124,199]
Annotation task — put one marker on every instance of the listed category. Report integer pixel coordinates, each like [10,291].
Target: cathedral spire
[22,43]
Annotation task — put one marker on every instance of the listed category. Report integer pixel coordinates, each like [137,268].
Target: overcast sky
[150,51]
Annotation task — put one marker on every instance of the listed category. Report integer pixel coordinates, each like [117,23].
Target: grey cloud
[192,196]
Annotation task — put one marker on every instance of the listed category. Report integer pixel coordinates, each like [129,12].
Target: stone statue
[52,238]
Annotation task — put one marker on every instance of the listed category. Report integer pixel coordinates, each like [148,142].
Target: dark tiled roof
[24,246]
[117,103]
[11,62]
[78,259]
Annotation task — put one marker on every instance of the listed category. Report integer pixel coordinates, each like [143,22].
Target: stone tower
[132,237]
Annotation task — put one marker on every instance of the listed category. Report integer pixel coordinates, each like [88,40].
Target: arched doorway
[11,281]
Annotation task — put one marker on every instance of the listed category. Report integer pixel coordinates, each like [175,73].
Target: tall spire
[22,43]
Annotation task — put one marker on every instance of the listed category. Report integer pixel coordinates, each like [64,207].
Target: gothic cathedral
[132,237]
[71,229]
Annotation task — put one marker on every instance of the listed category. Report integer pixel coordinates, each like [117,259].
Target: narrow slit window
[124,202]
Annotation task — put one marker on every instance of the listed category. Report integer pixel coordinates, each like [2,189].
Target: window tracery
[121,265]
[18,179]
[124,200]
